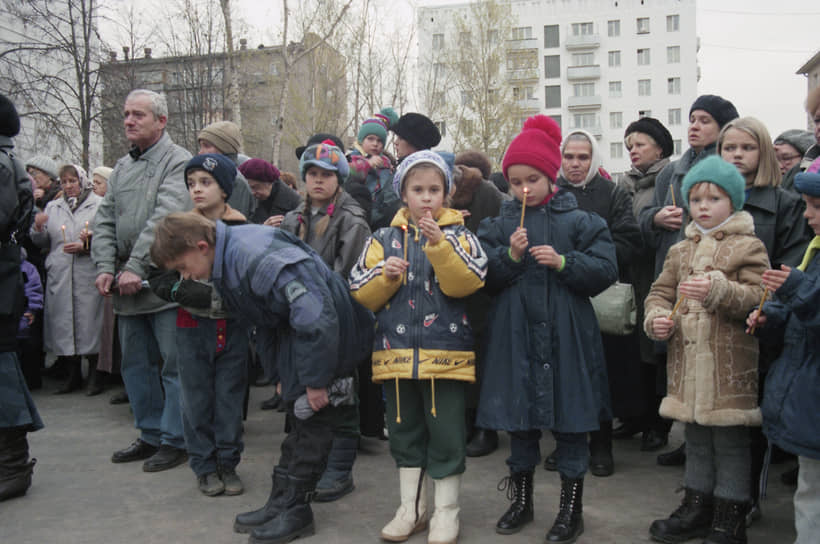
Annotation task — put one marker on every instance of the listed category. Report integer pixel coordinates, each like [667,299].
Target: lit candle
[675,309]
[404,228]
[759,309]
[63,229]
[523,207]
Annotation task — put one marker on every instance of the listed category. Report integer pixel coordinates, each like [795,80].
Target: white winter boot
[411,517]
[444,523]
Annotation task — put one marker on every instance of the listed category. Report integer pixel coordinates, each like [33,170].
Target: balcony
[523,74]
[580,102]
[584,41]
[528,103]
[584,72]
[595,130]
[526,43]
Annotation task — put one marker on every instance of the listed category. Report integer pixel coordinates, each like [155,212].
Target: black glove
[193,294]
[162,283]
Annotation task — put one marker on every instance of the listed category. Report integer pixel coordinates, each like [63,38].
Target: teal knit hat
[378,125]
[715,170]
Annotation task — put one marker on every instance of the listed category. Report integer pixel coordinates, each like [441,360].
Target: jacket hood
[739,223]
[446,216]
[595,162]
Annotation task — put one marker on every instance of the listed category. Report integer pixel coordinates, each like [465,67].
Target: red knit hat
[537,146]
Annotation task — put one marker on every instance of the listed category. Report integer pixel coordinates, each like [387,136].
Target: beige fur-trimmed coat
[711,361]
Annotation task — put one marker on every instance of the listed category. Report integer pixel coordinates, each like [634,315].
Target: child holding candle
[545,366]
[423,342]
[712,364]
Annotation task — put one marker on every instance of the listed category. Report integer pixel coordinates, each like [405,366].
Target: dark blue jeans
[213,374]
[572,452]
[148,341]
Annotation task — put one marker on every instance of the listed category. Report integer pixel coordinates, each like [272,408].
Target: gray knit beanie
[44,164]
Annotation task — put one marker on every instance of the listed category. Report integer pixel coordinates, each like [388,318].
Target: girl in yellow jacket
[414,275]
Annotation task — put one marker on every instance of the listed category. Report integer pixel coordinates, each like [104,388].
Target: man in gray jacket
[146,184]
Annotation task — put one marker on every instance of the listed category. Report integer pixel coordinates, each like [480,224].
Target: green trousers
[421,439]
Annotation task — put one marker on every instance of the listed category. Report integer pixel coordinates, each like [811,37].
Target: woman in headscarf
[73,307]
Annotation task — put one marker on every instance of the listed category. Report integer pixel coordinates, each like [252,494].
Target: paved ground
[79,496]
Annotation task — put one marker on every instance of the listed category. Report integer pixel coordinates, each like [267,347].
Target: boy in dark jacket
[305,320]
[791,402]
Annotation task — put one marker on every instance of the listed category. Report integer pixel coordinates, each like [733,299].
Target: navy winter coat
[791,402]
[306,321]
[545,364]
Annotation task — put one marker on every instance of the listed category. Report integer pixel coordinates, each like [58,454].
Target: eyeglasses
[787,158]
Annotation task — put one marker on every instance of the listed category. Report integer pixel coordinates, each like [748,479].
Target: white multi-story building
[593,64]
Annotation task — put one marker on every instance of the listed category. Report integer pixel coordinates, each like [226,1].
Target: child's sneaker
[211,485]
[233,485]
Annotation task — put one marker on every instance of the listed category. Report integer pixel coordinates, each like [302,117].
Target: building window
[492,36]
[557,119]
[643,57]
[673,85]
[551,36]
[552,66]
[672,23]
[677,147]
[674,116]
[522,33]
[466,127]
[614,59]
[613,28]
[644,87]
[616,150]
[442,128]
[552,96]
[644,113]
[582,29]
[585,120]
[438,99]
[438,70]
[438,41]
[466,98]
[615,89]
[465,39]
[583,89]
[643,25]
[673,54]
[583,59]
[521,93]
[616,119]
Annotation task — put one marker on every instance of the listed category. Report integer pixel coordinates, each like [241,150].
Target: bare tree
[231,75]
[49,66]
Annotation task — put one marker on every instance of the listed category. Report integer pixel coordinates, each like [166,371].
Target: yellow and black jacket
[422,330]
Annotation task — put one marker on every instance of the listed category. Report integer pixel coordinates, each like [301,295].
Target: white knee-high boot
[411,517]
[444,523]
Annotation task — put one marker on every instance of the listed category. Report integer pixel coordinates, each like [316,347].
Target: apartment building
[591,64]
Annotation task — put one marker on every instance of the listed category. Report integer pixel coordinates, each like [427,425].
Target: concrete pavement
[79,496]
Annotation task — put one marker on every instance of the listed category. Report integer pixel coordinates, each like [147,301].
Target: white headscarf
[595,160]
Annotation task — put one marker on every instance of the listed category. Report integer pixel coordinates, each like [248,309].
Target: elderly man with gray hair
[146,184]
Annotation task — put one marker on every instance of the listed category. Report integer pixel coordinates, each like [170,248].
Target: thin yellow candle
[672,192]
[677,305]
[523,207]
[63,229]
[85,242]
[760,308]
[404,228]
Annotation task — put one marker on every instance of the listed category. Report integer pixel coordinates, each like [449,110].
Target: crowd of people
[423,298]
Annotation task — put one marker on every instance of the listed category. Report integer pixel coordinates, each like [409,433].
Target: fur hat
[655,129]
[102,171]
[318,138]
[807,183]
[715,170]
[219,166]
[718,107]
[418,130]
[327,156]
[224,135]
[378,125]
[44,164]
[475,159]
[424,156]
[538,146]
[801,140]
[9,119]
[259,170]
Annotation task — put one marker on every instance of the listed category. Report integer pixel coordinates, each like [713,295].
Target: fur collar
[739,223]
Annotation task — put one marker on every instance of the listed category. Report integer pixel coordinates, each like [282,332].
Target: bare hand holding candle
[677,305]
[760,308]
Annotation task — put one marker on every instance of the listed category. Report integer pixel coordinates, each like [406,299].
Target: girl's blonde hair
[768,170]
